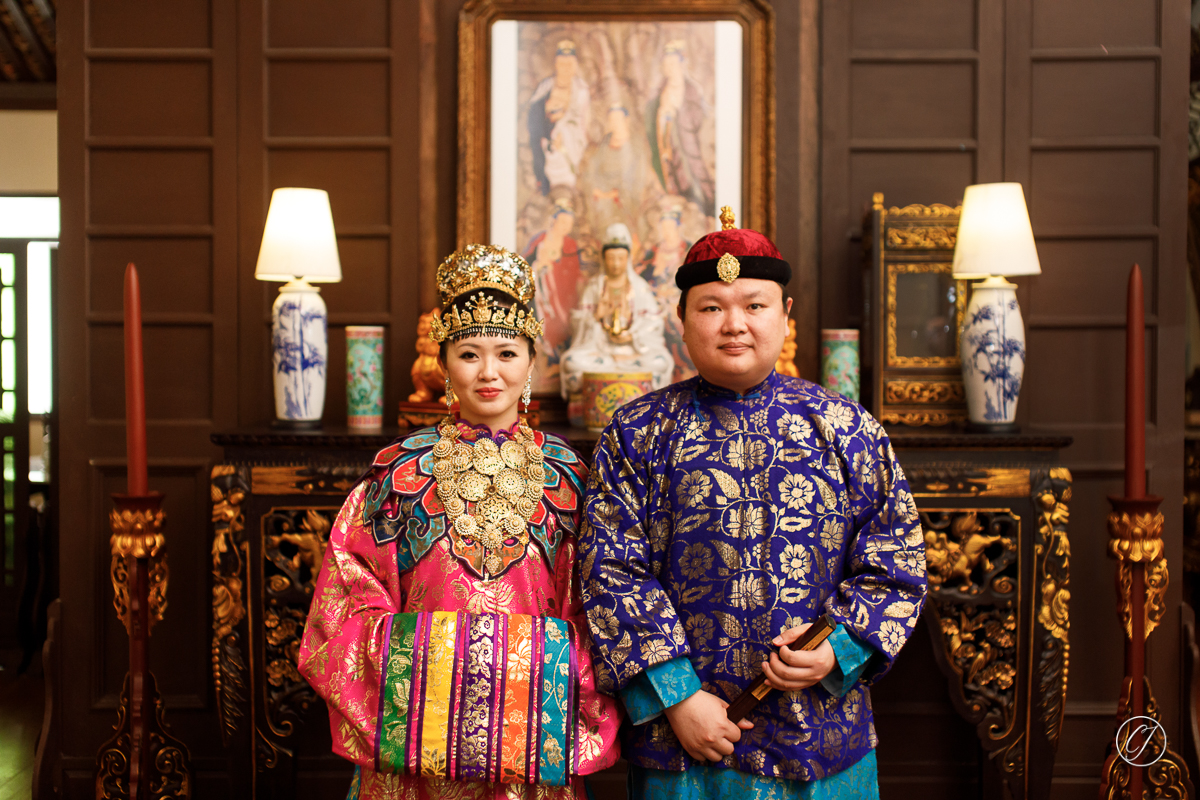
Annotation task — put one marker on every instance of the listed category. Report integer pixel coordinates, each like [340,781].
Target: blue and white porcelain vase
[993,355]
[300,344]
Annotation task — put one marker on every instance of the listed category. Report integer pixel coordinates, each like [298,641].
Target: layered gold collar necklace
[490,492]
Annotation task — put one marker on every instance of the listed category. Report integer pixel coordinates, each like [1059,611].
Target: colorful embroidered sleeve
[881,595]
[349,624]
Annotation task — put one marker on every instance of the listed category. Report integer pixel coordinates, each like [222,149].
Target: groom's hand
[703,728]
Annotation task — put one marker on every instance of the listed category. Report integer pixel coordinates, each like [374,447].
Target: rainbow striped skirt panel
[480,697]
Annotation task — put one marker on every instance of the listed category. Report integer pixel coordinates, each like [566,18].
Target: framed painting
[574,116]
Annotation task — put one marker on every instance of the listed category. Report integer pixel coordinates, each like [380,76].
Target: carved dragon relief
[294,542]
[230,553]
[973,568]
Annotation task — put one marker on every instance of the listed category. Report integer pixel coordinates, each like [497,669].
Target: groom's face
[735,331]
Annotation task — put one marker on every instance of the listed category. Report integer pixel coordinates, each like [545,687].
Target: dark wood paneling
[1071,188]
[884,25]
[357,181]
[319,23]
[912,101]
[131,23]
[328,98]
[1097,23]
[176,274]
[150,187]
[130,98]
[178,360]
[1095,98]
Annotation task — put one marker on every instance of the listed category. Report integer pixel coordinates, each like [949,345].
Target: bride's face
[488,374]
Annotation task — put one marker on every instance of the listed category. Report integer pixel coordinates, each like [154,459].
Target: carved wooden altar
[994,510]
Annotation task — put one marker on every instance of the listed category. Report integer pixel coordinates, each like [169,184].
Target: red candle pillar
[135,392]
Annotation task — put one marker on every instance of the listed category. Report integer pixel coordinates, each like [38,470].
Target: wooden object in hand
[817,633]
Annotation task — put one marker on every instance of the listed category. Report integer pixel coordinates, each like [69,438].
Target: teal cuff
[852,658]
[658,688]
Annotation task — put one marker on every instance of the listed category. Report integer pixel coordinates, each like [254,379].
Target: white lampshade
[298,241]
[994,234]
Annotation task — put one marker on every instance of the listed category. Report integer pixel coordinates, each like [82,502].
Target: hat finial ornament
[726,218]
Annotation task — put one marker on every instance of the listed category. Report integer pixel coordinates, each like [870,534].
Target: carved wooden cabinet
[274,500]
[994,509]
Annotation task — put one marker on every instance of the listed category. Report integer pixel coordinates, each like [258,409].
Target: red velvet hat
[732,253]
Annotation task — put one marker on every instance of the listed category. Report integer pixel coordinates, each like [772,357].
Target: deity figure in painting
[674,118]
[612,172]
[618,326]
[658,265]
[559,112]
[553,255]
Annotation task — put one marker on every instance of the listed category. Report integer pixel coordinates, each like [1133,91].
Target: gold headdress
[675,47]
[470,312]
[566,47]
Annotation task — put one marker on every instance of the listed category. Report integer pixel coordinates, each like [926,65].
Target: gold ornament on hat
[728,268]
[502,484]
[469,271]
[727,218]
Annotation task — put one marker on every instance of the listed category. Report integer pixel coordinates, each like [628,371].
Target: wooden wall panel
[147,150]
[150,99]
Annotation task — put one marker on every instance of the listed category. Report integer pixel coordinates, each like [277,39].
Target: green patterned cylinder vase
[364,377]
[839,361]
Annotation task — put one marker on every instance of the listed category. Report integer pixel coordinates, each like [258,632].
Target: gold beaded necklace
[489,493]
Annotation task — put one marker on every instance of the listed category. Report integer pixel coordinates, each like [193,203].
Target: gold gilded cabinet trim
[924,391]
[297,479]
[893,360]
[921,418]
[995,482]
[1052,572]
[918,210]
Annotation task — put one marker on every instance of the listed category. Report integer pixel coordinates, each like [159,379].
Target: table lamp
[995,240]
[299,247]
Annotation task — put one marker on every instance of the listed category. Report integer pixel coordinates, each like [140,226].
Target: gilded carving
[918,210]
[922,237]
[1167,777]
[924,391]
[922,418]
[170,775]
[973,565]
[294,542]
[302,479]
[230,553]
[970,482]
[1052,554]
[137,533]
[1136,538]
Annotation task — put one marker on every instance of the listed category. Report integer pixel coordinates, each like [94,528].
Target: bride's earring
[449,394]
[528,393]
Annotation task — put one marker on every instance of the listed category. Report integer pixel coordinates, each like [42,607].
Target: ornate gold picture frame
[894,357]
[574,116]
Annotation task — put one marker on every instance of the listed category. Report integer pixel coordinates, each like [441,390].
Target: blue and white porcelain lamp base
[300,347]
[992,348]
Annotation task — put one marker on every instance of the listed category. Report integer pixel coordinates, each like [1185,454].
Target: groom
[724,515]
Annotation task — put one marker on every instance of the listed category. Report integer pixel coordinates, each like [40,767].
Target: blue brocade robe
[715,521]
